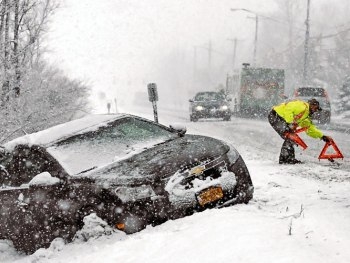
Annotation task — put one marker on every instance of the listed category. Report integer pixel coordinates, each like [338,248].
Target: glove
[326,138]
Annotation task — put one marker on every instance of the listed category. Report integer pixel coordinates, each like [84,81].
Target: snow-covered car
[319,93]
[128,170]
[210,104]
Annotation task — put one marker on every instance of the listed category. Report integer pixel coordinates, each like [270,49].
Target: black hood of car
[211,103]
[160,161]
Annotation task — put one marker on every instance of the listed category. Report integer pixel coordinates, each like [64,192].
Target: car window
[122,138]
[207,96]
[311,92]
[25,162]
[324,102]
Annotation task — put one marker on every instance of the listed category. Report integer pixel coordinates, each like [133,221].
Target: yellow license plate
[210,195]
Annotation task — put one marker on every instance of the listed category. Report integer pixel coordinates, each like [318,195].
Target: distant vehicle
[210,104]
[128,170]
[256,90]
[308,92]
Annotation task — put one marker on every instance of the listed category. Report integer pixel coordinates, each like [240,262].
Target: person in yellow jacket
[286,117]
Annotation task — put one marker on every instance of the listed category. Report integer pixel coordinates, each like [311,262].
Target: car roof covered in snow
[61,131]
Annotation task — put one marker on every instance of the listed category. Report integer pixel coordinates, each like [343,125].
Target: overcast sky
[119,46]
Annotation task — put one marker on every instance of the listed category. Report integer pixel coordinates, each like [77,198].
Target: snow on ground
[299,213]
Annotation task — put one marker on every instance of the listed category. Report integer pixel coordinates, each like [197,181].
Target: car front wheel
[227,118]
[193,118]
[131,223]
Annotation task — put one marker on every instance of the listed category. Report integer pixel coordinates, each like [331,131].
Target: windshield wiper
[94,167]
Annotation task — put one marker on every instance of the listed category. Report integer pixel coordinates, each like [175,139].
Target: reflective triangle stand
[331,156]
[295,137]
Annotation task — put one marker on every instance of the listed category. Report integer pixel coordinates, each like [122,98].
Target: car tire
[132,223]
[28,240]
[134,218]
[194,119]
[23,243]
[328,120]
[227,118]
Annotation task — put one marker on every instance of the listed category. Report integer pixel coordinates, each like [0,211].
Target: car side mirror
[180,129]
[4,175]
[44,179]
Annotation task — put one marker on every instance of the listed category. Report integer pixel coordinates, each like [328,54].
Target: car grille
[196,163]
[203,171]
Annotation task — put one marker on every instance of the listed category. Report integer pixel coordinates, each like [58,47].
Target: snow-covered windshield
[311,92]
[115,141]
[324,102]
[208,96]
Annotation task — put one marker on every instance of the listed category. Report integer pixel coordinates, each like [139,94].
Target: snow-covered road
[299,213]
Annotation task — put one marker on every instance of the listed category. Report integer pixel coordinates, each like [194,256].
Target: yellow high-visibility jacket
[297,112]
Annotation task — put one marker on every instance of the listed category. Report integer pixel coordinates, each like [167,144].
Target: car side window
[141,130]
[26,162]
[310,92]
[199,97]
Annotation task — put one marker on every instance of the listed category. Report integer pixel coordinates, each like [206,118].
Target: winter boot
[287,155]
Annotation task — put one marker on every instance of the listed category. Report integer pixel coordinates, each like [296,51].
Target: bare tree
[22,26]
[15,49]
[47,99]
[34,95]
[6,50]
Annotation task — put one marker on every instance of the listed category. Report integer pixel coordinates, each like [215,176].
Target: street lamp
[306,45]
[256,29]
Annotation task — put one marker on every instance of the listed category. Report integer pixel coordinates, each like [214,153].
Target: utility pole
[194,63]
[256,29]
[256,38]
[209,48]
[234,51]
[256,18]
[306,47]
[290,33]
[209,56]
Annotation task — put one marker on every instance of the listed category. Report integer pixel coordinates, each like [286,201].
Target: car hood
[158,162]
[212,103]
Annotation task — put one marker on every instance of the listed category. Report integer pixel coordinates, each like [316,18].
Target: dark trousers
[281,127]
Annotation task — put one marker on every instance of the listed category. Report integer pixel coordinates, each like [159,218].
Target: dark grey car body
[209,104]
[320,94]
[45,193]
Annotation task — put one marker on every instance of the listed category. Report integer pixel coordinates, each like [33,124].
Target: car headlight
[224,107]
[127,194]
[232,154]
[199,108]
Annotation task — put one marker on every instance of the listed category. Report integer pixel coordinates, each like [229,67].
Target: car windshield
[207,96]
[311,92]
[324,102]
[118,140]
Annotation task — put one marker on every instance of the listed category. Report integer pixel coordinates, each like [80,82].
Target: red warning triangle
[335,154]
[295,138]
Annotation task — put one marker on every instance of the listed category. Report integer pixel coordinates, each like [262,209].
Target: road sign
[152,92]
[153,97]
